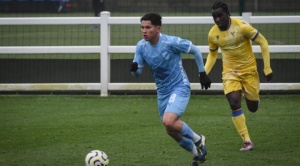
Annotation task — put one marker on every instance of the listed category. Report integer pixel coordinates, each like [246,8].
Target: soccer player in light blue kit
[162,53]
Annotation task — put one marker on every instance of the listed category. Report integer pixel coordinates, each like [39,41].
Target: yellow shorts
[247,82]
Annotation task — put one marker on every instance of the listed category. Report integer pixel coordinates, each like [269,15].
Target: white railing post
[246,16]
[105,57]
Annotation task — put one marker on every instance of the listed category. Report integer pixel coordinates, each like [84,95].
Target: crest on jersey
[232,33]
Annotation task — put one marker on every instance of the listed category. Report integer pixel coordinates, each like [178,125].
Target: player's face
[150,32]
[221,18]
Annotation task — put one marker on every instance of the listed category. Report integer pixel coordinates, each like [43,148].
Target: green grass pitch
[59,130]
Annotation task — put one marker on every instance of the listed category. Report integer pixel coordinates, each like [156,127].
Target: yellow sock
[239,122]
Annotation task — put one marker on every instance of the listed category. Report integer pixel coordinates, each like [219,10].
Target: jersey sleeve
[213,53]
[248,31]
[138,55]
[211,45]
[181,45]
[251,33]
[260,39]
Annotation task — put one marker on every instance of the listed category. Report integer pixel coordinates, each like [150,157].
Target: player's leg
[178,129]
[233,90]
[238,119]
[234,100]
[252,105]
[251,89]
[172,125]
[102,5]
[175,107]
[183,134]
[61,5]
[171,107]
[96,7]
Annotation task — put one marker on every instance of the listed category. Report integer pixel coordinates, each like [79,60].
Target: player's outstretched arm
[261,40]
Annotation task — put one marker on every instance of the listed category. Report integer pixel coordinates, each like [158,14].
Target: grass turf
[60,130]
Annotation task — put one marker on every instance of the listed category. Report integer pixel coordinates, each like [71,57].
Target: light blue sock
[186,144]
[186,131]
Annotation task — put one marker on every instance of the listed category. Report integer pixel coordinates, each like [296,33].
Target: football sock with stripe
[188,145]
[189,138]
[189,133]
[186,131]
[239,122]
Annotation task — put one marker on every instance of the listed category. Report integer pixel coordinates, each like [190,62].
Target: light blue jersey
[165,62]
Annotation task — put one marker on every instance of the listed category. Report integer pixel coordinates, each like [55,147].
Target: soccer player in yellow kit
[233,36]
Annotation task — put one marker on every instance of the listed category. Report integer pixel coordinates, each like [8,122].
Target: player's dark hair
[155,18]
[221,5]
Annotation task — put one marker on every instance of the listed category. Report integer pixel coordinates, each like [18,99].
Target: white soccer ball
[96,158]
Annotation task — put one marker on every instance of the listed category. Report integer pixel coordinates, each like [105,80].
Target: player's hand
[204,80]
[134,67]
[269,77]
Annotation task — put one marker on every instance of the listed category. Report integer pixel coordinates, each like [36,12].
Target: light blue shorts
[175,102]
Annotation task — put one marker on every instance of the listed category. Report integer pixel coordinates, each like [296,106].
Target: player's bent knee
[253,109]
[168,124]
[252,105]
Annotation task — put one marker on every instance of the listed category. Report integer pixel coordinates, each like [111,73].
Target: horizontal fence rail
[106,49]
[119,49]
[126,86]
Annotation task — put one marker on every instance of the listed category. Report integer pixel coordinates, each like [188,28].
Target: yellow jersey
[235,44]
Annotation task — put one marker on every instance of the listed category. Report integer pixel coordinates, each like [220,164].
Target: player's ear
[158,28]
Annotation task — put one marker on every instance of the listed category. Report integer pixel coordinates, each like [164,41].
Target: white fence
[106,49]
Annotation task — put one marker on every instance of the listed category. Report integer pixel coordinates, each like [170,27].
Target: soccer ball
[96,158]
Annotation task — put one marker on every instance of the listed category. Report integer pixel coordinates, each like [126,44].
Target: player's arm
[204,79]
[261,40]
[211,60]
[212,55]
[198,58]
[136,67]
